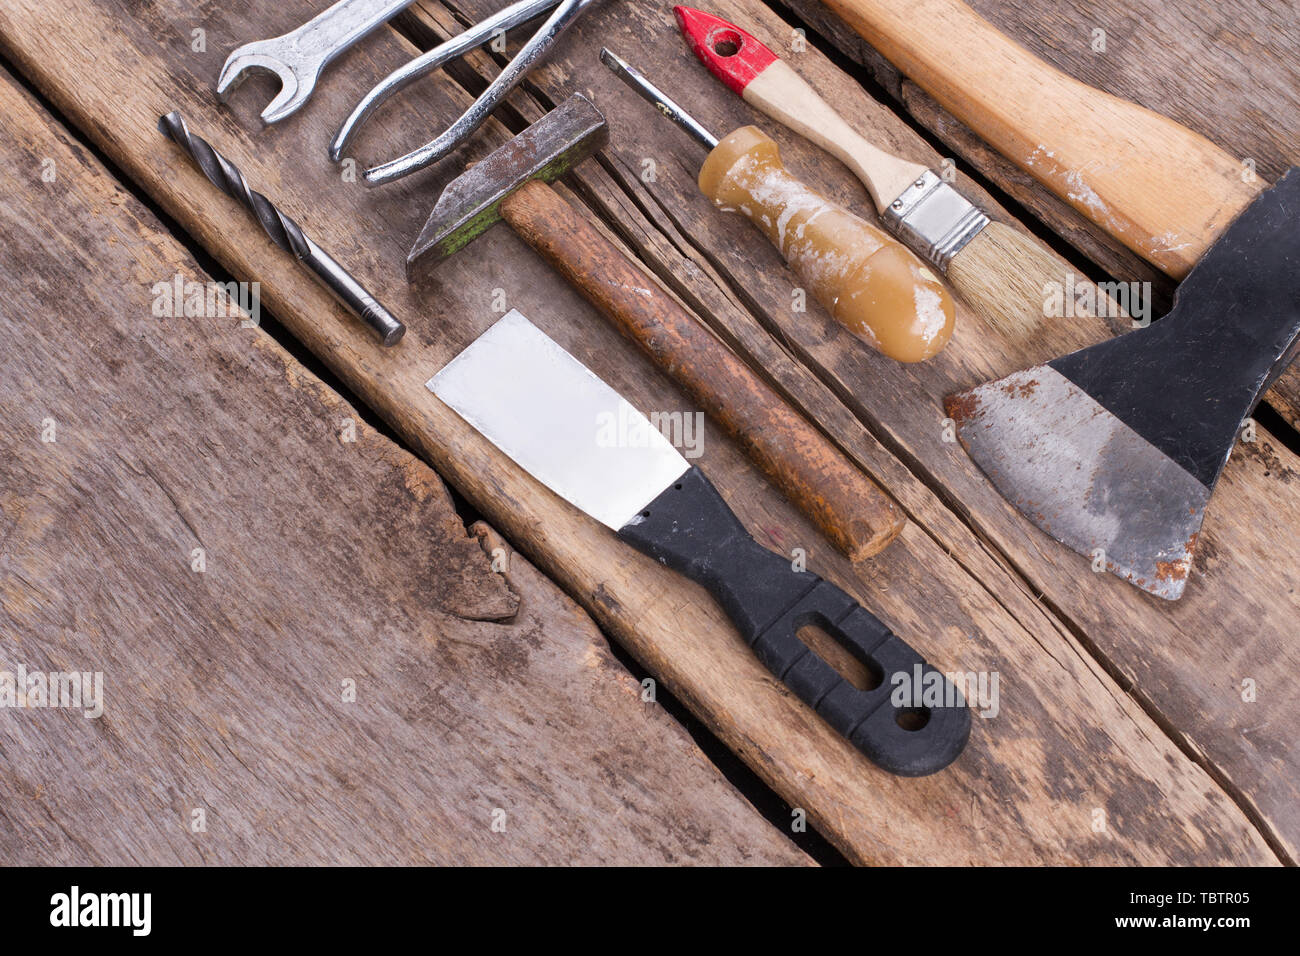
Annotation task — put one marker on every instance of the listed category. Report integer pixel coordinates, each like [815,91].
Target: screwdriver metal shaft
[284,232]
[892,302]
[658,98]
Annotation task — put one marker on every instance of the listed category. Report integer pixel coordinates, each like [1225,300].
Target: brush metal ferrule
[933,219]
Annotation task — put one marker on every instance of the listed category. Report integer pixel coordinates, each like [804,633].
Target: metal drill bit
[661,101]
[284,232]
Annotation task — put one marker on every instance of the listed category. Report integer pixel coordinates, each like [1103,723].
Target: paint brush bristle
[1005,276]
[1008,276]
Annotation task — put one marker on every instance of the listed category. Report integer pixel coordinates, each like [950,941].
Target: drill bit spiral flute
[284,232]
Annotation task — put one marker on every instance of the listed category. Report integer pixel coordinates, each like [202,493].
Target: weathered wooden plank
[1229,76]
[1185,662]
[129,440]
[1030,785]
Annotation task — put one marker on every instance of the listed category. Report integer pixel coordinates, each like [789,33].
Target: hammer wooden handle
[1164,191]
[848,507]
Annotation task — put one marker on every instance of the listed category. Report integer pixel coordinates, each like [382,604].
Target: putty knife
[571,431]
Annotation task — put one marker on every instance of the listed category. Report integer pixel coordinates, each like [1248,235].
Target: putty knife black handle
[692,530]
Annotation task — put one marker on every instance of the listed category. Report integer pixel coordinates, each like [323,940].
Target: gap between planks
[931,481]
[1129,753]
[419,29]
[767,842]
[763,798]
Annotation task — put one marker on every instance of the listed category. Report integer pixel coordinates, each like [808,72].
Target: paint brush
[998,271]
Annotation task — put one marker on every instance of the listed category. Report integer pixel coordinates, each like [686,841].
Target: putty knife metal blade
[558,421]
[570,430]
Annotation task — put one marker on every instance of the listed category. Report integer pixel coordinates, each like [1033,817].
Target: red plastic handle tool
[731,54]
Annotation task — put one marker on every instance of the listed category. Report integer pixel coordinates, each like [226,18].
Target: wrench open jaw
[264,56]
[299,56]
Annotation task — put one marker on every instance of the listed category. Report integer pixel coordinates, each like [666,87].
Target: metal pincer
[533,52]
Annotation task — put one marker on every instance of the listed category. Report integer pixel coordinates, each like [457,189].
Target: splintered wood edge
[588,178]
[805,761]
[733,831]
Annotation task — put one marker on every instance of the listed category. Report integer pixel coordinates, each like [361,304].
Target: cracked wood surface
[1074,739]
[326,559]
[1185,662]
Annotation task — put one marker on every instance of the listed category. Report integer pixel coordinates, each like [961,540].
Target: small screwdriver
[869,282]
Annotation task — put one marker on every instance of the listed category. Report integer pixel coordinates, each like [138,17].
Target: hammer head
[472,202]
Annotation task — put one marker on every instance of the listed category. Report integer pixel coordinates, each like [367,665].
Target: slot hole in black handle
[848,674]
[860,669]
[820,637]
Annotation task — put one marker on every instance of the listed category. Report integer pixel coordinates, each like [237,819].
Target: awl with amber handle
[995,269]
[867,280]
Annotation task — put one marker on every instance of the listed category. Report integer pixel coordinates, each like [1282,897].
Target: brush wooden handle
[852,511]
[785,96]
[767,83]
[866,279]
[1156,186]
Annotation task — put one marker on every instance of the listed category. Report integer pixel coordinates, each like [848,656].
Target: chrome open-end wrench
[298,57]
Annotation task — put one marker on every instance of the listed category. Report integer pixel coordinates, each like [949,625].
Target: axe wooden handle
[847,506]
[1156,186]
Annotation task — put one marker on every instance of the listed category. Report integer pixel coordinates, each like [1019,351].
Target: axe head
[1115,449]
[471,204]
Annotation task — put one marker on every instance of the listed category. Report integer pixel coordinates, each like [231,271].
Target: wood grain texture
[785,96]
[854,513]
[1185,663]
[1069,740]
[1047,123]
[326,560]
[1224,70]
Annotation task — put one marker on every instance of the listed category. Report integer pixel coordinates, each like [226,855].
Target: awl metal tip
[657,97]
